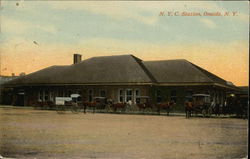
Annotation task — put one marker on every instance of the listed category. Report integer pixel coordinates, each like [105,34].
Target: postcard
[124,79]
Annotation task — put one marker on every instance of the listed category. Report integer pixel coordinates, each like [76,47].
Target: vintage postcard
[124,79]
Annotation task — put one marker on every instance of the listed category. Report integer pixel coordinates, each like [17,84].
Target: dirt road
[28,133]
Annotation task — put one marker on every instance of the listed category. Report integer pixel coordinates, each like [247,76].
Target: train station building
[122,78]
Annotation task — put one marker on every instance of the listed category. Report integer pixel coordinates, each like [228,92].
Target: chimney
[22,74]
[77,58]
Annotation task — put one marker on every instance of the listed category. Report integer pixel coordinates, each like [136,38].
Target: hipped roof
[121,69]
[105,69]
[180,71]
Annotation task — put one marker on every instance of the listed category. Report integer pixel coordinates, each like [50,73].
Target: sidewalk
[120,112]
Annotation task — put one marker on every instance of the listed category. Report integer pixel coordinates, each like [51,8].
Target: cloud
[47,28]
[12,25]
[145,12]
[9,25]
[208,23]
[116,10]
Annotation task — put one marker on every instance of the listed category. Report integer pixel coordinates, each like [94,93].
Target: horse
[86,104]
[109,104]
[217,109]
[44,104]
[122,106]
[144,106]
[166,105]
[188,109]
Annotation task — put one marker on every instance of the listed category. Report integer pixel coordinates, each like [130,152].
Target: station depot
[122,78]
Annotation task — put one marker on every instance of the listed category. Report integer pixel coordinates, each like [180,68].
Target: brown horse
[44,104]
[166,105]
[92,105]
[122,106]
[188,109]
[144,106]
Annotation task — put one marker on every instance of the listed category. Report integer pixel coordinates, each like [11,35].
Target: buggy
[199,103]
[72,103]
[144,103]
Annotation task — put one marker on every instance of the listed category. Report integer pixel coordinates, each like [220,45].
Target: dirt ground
[29,133]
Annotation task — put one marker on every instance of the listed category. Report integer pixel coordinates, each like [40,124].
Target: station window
[69,92]
[90,95]
[189,94]
[158,96]
[51,96]
[40,95]
[173,96]
[129,95]
[120,96]
[137,96]
[80,93]
[46,95]
[60,94]
[102,93]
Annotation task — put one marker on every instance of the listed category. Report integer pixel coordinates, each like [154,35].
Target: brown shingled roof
[47,75]
[176,71]
[121,69]
[96,70]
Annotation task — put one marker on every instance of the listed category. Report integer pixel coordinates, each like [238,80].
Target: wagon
[72,103]
[199,104]
[100,102]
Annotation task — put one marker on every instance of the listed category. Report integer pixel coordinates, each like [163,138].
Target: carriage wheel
[147,109]
[209,112]
[75,109]
[203,112]
[108,108]
[60,109]
[124,109]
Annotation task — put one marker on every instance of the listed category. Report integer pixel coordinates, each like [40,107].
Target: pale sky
[37,34]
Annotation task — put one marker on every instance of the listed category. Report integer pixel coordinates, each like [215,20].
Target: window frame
[105,92]
[137,98]
[130,96]
[121,94]
[173,96]
[158,95]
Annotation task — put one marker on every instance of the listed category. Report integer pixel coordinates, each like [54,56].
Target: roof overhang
[198,84]
[227,86]
[79,84]
[124,84]
[184,84]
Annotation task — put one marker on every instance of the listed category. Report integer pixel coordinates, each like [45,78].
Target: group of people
[218,108]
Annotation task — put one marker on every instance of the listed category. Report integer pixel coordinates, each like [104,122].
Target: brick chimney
[77,58]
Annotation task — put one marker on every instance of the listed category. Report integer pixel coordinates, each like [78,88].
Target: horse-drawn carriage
[198,103]
[99,103]
[144,103]
[75,104]
[167,106]
[72,103]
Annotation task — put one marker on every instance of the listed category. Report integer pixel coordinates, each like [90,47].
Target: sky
[39,34]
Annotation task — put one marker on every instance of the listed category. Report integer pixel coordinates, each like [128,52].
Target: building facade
[122,78]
